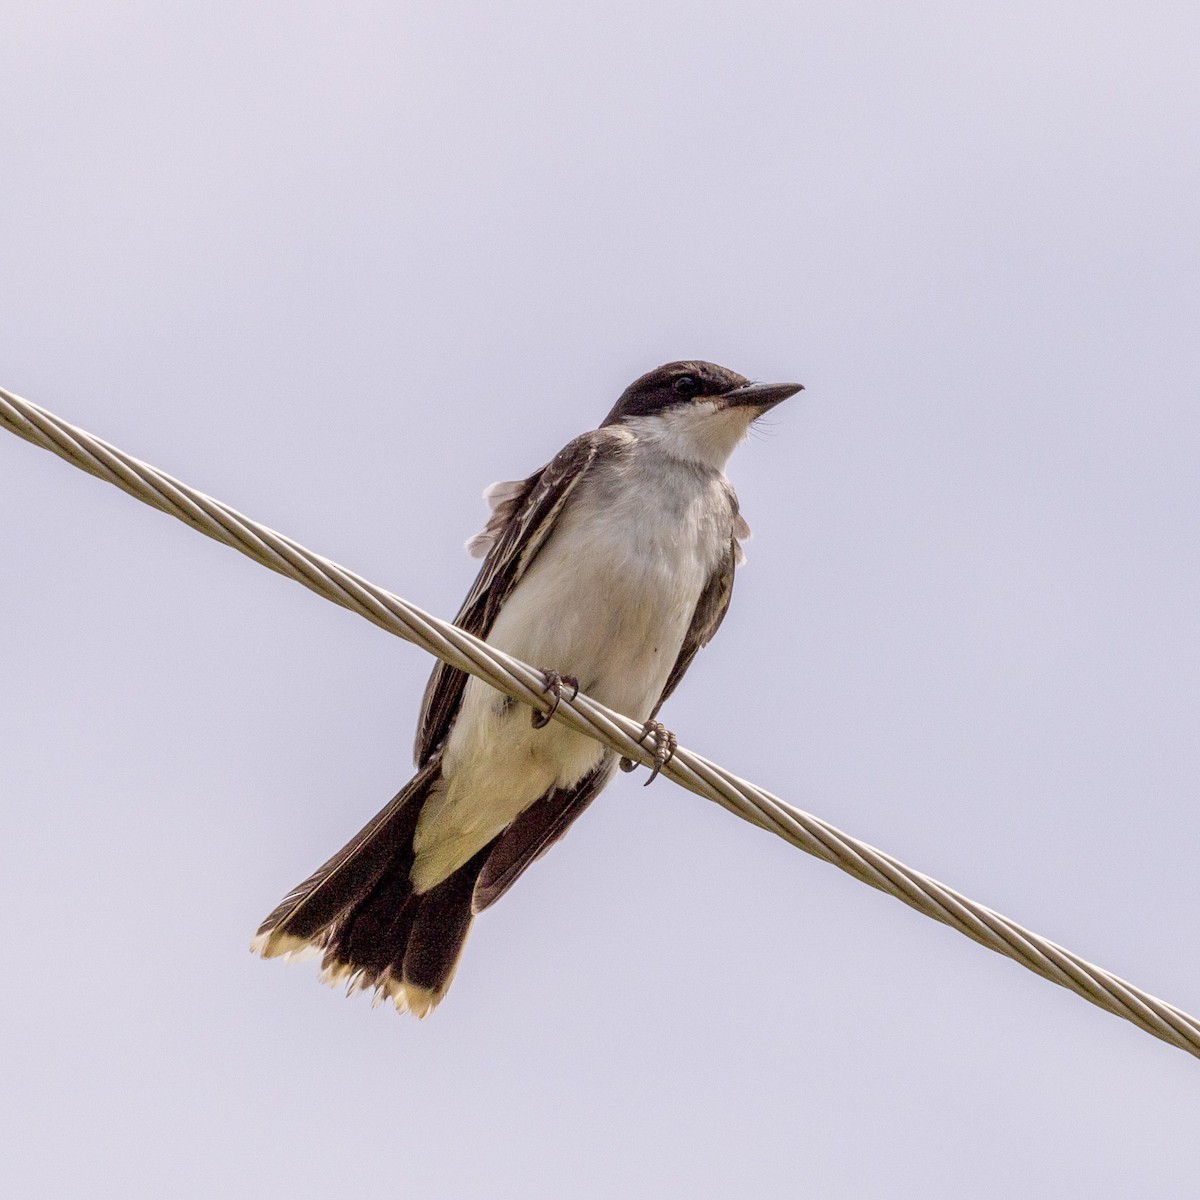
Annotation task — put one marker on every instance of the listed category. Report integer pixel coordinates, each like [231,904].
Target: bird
[608,568]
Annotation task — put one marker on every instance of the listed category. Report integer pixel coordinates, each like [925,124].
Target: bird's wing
[706,620]
[523,516]
[535,831]
[711,607]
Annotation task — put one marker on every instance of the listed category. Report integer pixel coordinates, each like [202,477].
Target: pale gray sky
[343,266]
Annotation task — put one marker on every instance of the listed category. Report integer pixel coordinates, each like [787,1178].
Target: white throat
[705,432]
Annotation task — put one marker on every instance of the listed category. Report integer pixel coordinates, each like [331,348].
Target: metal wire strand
[517,679]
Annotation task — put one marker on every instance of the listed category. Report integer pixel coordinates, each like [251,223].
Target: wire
[517,679]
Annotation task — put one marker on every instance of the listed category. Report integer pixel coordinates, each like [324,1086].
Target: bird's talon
[665,745]
[554,688]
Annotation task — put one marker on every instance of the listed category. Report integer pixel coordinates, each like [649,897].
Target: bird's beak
[761,395]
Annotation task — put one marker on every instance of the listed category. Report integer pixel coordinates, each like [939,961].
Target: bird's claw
[665,745]
[554,689]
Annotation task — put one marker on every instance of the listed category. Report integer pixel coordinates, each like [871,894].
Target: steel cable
[460,649]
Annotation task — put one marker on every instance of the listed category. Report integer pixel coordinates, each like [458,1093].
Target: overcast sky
[342,266]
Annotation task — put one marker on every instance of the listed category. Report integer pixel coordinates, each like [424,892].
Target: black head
[683,383]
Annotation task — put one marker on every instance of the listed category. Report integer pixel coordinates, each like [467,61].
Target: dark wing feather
[352,872]
[535,831]
[706,620]
[532,513]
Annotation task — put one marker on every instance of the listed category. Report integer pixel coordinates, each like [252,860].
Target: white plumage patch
[741,533]
[273,944]
[406,996]
[705,432]
[501,498]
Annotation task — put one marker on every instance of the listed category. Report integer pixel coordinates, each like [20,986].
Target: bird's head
[697,411]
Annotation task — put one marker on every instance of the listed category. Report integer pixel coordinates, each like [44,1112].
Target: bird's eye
[685,385]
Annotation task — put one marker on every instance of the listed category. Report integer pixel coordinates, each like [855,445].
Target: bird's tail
[360,914]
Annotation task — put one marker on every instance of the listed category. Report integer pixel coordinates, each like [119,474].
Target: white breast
[610,597]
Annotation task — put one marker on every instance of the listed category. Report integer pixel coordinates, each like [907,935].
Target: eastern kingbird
[608,568]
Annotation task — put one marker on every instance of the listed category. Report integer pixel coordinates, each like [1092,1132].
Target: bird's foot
[665,745]
[554,689]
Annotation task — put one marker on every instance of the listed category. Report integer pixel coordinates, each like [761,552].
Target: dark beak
[761,395]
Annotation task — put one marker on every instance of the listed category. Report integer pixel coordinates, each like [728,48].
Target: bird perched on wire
[608,568]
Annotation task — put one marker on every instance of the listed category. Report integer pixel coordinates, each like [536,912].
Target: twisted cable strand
[458,648]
